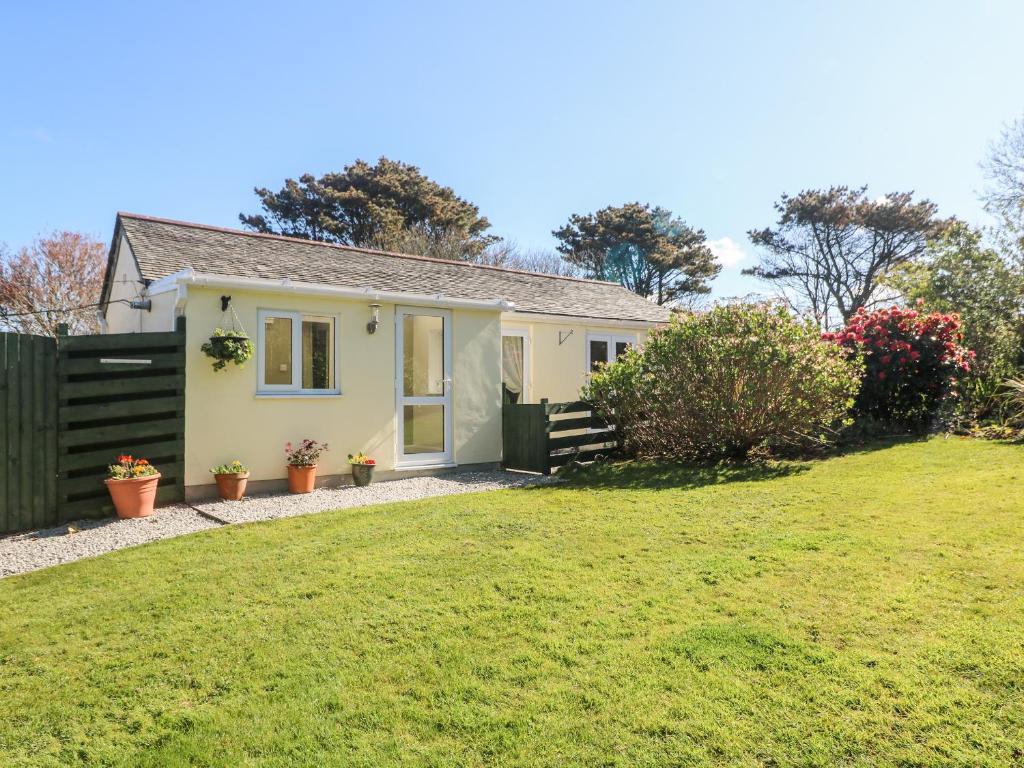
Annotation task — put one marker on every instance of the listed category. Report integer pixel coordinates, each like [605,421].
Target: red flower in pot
[132,484]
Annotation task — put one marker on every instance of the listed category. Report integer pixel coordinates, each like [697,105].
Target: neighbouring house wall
[161,317]
[557,365]
[225,419]
[125,285]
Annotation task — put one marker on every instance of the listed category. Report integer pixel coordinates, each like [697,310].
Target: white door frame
[416,460]
[524,334]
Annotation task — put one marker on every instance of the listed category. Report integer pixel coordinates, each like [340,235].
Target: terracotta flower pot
[362,474]
[231,486]
[301,479]
[133,496]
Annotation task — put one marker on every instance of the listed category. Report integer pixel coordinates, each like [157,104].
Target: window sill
[294,395]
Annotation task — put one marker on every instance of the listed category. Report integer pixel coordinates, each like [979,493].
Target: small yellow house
[405,358]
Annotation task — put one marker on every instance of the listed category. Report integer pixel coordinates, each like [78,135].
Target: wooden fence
[72,405]
[28,432]
[544,436]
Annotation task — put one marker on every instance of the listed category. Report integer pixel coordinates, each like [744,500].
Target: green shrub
[725,383]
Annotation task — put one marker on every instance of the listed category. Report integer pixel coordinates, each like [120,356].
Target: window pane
[317,353]
[423,355]
[620,348]
[424,429]
[598,353]
[277,350]
[512,367]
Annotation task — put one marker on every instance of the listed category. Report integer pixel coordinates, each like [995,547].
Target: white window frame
[295,388]
[524,334]
[612,339]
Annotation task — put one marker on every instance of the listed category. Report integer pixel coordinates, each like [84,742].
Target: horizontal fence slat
[125,433]
[156,449]
[79,485]
[578,406]
[575,441]
[113,341]
[81,365]
[98,507]
[116,387]
[140,407]
[101,506]
[561,459]
[584,422]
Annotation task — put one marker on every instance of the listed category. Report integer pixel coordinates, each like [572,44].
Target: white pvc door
[424,387]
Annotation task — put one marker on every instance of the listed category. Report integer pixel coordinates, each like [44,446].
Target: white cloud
[727,251]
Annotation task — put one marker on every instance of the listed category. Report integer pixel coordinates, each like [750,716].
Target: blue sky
[531,110]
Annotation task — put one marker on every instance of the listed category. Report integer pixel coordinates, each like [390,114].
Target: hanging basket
[221,344]
[228,345]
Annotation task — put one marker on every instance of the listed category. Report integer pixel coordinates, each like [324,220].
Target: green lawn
[864,610]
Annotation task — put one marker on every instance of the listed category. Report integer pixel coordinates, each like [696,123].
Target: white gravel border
[31,550]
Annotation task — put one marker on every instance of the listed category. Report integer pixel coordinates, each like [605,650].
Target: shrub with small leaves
[725,383]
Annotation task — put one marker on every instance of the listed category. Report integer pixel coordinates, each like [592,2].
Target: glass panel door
[424,387]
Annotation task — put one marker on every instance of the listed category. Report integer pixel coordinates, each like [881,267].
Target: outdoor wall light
[371,326]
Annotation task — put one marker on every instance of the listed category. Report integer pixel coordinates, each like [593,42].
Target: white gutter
[181,280]
[538,317]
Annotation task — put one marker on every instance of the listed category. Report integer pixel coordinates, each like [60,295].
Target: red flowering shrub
[912,362]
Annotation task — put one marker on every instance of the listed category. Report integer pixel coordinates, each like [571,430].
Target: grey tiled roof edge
[163,247]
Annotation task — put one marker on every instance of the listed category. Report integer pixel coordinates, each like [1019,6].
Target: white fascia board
[537,317]
[185,278]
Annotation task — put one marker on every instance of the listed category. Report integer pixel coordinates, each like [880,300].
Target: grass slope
[864,610]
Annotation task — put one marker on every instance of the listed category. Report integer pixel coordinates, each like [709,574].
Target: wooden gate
[119,393]
[72,405]
[535,442]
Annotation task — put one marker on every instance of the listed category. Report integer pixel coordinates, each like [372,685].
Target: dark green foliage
[373,206]
[645,249]
[727,382]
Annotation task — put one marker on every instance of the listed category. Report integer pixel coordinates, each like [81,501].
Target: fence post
[543,430]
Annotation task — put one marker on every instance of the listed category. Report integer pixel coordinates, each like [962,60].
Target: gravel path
[87,538]
[32,550]
[269,507]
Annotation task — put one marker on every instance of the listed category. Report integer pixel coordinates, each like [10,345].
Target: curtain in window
[512,364]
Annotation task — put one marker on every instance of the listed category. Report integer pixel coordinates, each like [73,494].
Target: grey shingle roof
[163,247]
